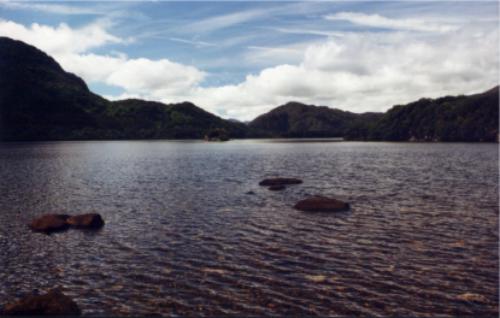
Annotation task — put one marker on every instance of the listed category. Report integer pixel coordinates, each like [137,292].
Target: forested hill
[299,120]
[40,101]
[460,118]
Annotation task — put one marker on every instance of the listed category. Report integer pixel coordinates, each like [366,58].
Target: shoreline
[276,139]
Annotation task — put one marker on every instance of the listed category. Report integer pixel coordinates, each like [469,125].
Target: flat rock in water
[277,187]
[86,221]
[279,181]
[52,303]
[321,204]
[49,223]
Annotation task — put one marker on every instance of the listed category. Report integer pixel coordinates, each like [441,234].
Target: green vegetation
[40,101]
[297,120]
[133,118]
[462,118]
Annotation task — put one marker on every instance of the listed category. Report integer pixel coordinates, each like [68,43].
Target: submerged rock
[279,181]
[214,270]
[86,221]
[472,297]
[316,278]
[52,303]
[277,187]
[321,204]
[49,223]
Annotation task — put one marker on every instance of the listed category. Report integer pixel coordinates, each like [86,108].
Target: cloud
[378,21]
[61,39]
[226,20]
[223,21]
[308,32]
[158,78]
[263,55]
[50,8]
[153,79]
[195,43]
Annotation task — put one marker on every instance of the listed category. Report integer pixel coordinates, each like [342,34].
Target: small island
[217,134]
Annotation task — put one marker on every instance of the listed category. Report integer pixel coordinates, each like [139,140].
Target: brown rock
[279,181]
[49,223]
[86,221]
[277,187]
[52,303]
[321,204]
[472,297]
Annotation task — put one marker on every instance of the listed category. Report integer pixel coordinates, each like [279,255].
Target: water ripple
[189,232]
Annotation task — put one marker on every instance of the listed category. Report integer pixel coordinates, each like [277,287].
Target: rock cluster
[50,223]
[315,203]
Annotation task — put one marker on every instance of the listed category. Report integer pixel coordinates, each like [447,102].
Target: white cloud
[378,21]
[226,20]
[308,32]
[218,22]
[159,77]
[153,79]
[195,43]
[49,8]
[262,55]
[61,39]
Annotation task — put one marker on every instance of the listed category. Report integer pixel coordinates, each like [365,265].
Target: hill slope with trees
[40,101]
[460,118]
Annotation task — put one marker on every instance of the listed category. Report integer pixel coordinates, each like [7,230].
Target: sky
[240,59]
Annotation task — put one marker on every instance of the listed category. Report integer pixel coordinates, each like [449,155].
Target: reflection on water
[186,236]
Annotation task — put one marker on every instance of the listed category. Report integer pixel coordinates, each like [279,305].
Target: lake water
[189,231]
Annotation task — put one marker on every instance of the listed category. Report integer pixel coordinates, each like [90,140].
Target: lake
[190,232]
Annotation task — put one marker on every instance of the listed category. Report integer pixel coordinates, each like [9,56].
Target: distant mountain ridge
[40,101]
[298,120]
[451,118]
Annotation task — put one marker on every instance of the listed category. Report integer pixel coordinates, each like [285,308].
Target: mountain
[40,101]
[299,120]
[460,118]
[135,118]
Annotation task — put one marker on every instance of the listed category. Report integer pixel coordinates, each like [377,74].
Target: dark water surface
[185,237]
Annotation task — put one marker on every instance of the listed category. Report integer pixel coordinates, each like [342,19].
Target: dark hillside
[40,101]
